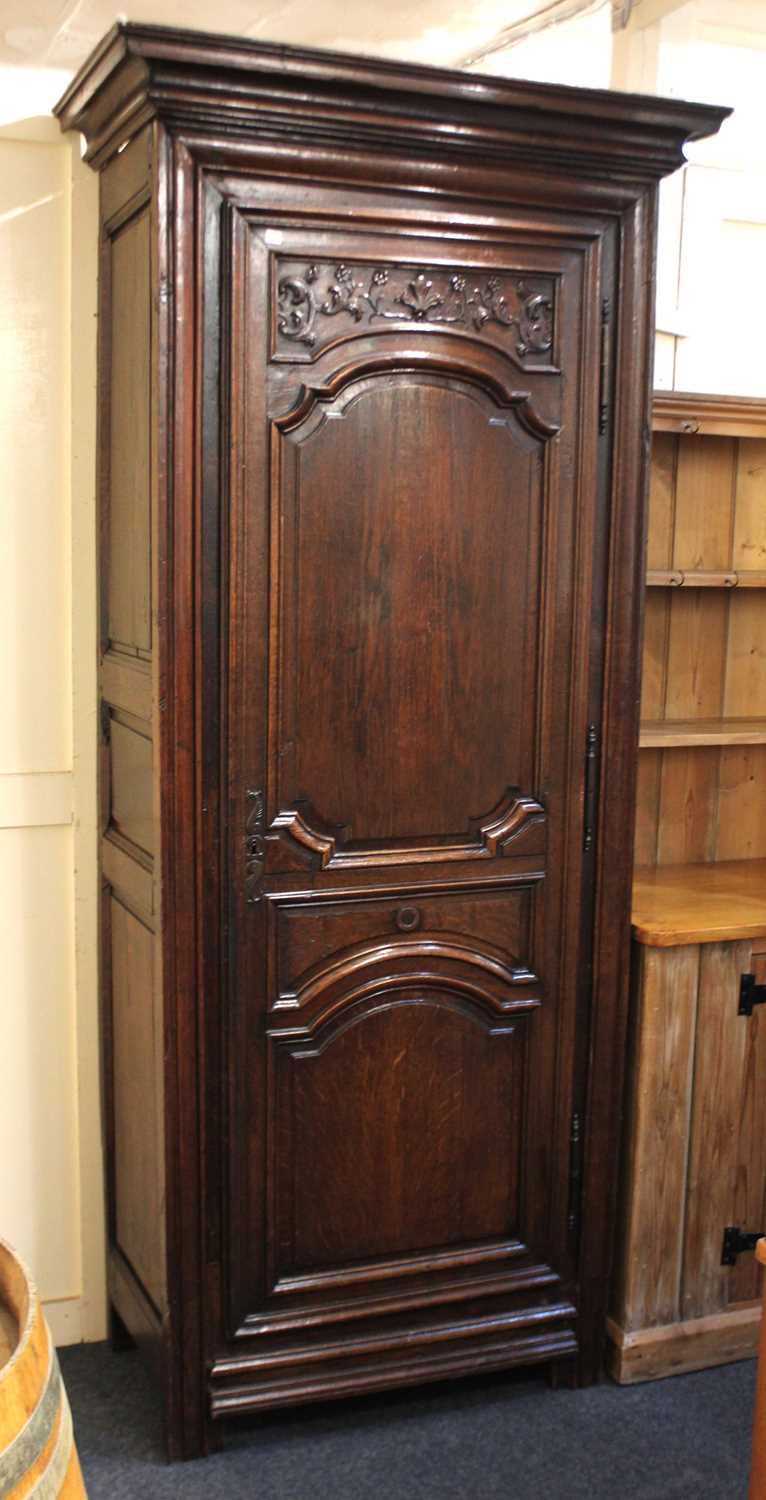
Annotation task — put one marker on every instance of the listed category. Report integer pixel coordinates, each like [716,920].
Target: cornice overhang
[228,86]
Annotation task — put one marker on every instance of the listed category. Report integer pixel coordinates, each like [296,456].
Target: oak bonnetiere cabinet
[374,377]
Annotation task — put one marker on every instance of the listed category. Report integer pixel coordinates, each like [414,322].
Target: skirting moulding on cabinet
[374,380]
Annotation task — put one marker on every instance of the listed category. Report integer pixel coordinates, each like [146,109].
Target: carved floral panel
[317,302]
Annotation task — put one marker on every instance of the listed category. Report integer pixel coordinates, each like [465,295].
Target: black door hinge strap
[750,994]
[591,758]
[605,363]
[736,1241]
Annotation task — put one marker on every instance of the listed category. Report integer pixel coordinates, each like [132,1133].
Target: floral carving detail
[420,299]
[418,296]
[342,295]
[255,846]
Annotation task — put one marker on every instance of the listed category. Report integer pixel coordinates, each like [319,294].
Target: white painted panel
[711,301]
[35,675]
[722,293]
[664,362]
[83,256]
[578,51]
[35,799]
[39,1171]
[64,1317]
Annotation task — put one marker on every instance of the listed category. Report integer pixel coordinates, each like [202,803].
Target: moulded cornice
[230,86]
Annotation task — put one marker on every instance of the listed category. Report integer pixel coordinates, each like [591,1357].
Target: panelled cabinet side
[134,1047]
[333,291]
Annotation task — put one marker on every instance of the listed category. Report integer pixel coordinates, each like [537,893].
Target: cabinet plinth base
[679,1348]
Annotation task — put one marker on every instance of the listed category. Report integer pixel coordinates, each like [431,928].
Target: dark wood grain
[437,577]
[382,1147]
[385,523]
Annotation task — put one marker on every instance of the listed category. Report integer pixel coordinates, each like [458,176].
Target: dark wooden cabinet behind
[375,347]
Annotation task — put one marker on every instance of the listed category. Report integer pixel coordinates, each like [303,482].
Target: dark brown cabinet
[375,348]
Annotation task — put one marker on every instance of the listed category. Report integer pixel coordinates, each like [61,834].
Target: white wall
[711,305]
[50,1179]
[577,52]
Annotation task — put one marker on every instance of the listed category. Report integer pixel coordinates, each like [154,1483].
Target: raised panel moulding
[430,961]
[487,836]
[344,382]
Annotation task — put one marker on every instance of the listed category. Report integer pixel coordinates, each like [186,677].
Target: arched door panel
[381,1148]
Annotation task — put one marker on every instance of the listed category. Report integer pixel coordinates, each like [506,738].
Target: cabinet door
[410,653]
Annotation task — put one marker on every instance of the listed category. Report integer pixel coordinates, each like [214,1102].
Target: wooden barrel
[38,1457]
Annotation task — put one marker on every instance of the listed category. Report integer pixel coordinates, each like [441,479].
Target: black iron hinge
[736,1241]
[750,994]
[575,1173]
[591,759]
[605,366]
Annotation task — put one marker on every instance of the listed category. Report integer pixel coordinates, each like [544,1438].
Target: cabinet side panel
[131,779]
[746,1277]
[665,1014]
[132,994]
[714,1156]
[128,559]
[137,1167]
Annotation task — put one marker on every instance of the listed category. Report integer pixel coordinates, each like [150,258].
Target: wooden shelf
[689,412]
[668,734]
[679,578]
[712,903]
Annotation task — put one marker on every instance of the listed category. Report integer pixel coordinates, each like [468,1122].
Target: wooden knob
[408,918]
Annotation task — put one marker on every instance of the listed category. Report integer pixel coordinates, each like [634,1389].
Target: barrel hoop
[51,1481]
[31,1440]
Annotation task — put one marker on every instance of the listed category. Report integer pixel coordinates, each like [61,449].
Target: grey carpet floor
[687,1438]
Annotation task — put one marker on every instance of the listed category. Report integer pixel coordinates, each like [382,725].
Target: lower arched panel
[397,1131]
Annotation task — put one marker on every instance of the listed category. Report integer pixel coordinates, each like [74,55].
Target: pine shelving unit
[695,1158]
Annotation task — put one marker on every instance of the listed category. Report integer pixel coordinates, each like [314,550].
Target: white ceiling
[59,34]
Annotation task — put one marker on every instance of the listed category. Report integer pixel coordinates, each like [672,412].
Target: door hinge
[750,994]
[605,366]
[591,758]
[736,1241]
[575,1172]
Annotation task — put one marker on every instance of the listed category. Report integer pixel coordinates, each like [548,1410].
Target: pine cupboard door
[413,506]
